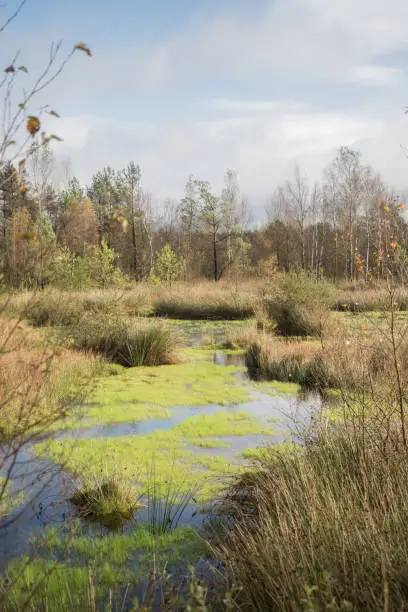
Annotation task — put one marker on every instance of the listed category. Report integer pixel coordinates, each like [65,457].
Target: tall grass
[356,298]
[38,384]
[166,500]
[206,301]
[298,305]
[55,308]
[200,300]
[295,361]
[325,528]
[126,342]
[347,359]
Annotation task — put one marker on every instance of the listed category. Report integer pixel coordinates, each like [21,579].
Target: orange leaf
[83,47]
[23,189]
[33,125]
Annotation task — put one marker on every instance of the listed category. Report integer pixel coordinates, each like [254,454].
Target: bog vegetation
[132,434]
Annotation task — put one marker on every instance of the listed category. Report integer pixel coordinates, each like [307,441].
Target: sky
[196,87]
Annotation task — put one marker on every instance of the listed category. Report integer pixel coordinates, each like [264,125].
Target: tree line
[349,225]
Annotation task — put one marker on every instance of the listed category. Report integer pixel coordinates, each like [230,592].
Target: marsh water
[47,487]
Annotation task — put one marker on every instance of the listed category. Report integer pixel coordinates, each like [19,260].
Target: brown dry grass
[320,529]
[38,383]
[346,358]
[199,300]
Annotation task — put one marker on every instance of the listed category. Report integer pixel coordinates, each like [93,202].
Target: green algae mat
[139,394]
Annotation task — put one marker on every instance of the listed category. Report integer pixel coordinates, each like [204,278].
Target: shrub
[96,268]
[52,309]
[298,304]
[168,267]
[324,528]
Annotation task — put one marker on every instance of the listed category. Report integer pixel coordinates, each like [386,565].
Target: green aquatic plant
[92,568]
[168,451]
[187,384]
[268,453]
[34,583]
[233,423]
[142,394]
[276,387]
[121,549]
[166,501]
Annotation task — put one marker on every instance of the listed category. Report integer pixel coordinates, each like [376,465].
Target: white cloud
[304,40]
[376,75]
[318,50]
[243,106]
[263,147]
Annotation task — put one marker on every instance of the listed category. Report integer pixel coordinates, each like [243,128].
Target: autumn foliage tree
[79,226]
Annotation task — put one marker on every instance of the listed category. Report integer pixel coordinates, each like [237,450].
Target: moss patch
[221,424]
[141,394]
[209,443]
[269,452]
[276,387]
[94,565]
[163,453]
[118,549]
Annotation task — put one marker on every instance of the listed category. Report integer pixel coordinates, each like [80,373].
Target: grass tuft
[126,342]
[109,501]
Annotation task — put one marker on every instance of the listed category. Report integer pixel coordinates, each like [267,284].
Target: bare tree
[40,168]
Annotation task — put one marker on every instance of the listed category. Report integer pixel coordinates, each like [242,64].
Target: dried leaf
[23,189]
[10,143]
[23,69]
[83,47]
[55,137]
[10,69]
[21,105]
[21,166]
[54,113]
[33,125]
